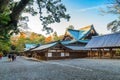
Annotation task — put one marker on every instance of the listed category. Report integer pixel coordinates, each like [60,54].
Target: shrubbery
[118,52]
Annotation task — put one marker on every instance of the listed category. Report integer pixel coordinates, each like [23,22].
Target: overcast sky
[83,13]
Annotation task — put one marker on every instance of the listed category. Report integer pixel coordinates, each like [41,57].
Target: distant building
[72,45]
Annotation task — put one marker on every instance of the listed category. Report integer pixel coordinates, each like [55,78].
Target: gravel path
[71,69]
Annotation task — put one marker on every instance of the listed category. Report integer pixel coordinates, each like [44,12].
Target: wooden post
[100,55]
[98,52]
[111,54]
[103,52]
[91,52]
[88,54]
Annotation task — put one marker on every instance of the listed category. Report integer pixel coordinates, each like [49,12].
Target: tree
[61,37]
[20,40]
[55,36]
[114,26]
[22,35]
[37,38]
[114,8]
[4,46]
[10,13]
[70,27]
[20,45]
[48,39]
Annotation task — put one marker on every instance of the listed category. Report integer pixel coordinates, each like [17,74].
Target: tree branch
[16,12]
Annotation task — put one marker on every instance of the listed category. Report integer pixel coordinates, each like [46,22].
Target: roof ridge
[73,29]
[89,26]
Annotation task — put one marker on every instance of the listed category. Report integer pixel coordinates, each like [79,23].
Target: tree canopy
[70,27]
[50,11]
[114,8]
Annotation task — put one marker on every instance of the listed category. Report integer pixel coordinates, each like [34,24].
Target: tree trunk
[17,10]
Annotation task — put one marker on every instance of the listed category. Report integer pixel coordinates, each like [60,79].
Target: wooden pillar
[103,52]
[90,52]
[97,53]
[100,52]
[111,54]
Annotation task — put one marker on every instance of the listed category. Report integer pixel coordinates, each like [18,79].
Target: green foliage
[55,36]
[114,8]
[70,27]
[4,46]
[4,19]
[11,11]
[114,26]
[13,47]
[20,44]
[50,11]
[39,40]
[55,10]
[118,52]
[21,41]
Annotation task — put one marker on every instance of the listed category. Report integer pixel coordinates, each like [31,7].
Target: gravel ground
[71,69]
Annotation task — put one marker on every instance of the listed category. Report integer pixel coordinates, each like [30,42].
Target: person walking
[13,52]
[13,57]
[9,57]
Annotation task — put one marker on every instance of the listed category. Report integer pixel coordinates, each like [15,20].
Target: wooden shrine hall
[72,45]
[104,46]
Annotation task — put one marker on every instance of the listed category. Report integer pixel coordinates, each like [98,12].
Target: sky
[83,13]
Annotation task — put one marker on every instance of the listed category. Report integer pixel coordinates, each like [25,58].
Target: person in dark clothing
[13,57]
[13,48]
[9,57]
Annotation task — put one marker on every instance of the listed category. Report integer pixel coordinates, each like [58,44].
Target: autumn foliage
[22,35]
[48,39]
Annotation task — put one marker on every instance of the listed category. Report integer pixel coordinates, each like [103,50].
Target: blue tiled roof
[78,34]
[28,46]
[76,47]
[65,42]
[81,34]
[105,41]
[86,33]
[73,41]
[68,42]
[74,33]
[45,46]
[84,41]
